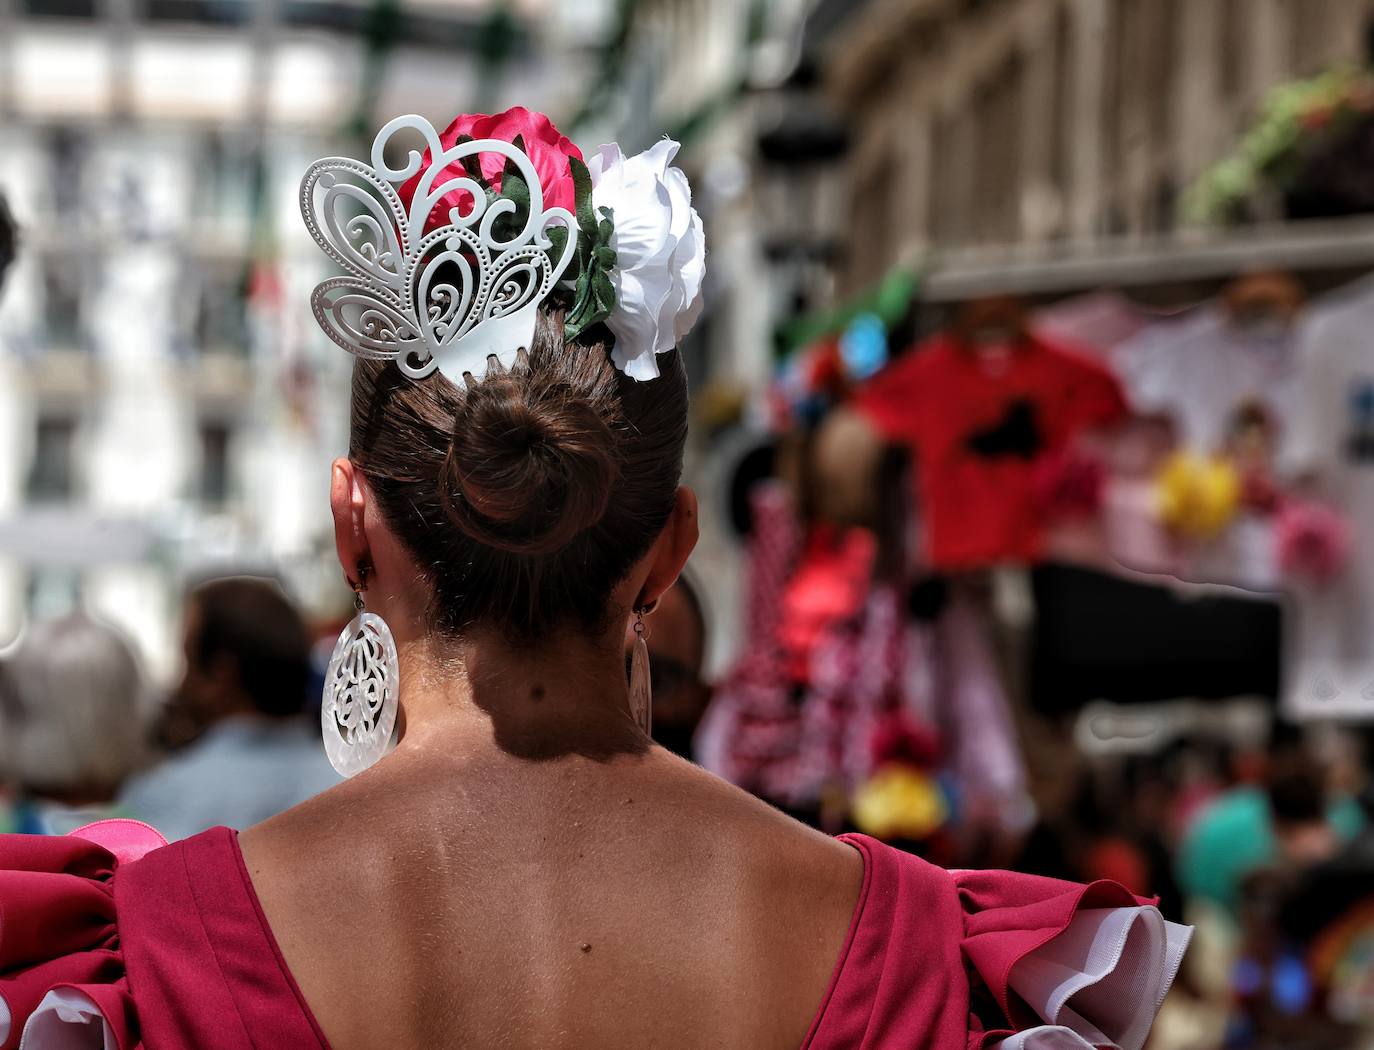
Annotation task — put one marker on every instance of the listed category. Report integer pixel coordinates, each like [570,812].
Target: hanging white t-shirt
[1330,440]
[1200,370]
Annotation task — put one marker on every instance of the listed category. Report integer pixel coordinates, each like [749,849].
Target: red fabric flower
[1313,540]
[547,147]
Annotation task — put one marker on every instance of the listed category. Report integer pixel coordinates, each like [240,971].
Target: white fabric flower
[660,253]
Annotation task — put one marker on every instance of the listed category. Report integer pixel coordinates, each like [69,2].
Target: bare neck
[480,693]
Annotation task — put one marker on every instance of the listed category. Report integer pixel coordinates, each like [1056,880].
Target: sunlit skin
[525,870]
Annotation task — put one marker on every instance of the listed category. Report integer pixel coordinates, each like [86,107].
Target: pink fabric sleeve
[1071,966]
[62,975]
[86,918]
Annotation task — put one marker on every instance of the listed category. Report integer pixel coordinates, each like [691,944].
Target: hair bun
[530,465]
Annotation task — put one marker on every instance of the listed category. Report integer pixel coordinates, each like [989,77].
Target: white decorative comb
[447,299]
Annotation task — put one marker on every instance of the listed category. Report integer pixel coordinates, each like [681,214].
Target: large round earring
[358,712]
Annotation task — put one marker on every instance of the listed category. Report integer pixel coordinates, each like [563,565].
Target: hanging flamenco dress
[110,940]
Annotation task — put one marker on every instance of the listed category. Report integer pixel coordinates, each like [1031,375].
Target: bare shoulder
[778,848]
[319,835]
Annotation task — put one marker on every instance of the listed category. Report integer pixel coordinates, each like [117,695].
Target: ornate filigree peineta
[447,299]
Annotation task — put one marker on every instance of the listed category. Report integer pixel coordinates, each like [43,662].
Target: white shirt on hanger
[1200,371]
[1331,443]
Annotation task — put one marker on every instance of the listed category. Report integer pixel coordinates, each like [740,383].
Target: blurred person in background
[72,724]
[1304,968]
[1326,922]
[677,650]
[246,680]
[9,240]
[1292,817]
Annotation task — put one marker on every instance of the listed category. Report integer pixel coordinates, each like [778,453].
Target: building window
[66,158]
[221,317]
[220,12]
[872,248]
[995,173]
[1314,34]
[225,178]
[215,438]
[1117,54]
[52,474]
[1063,114]
[60,8]
[1163,207]
[52,593]
[1231,68]
[1160,67]
[62,303]
[952,200]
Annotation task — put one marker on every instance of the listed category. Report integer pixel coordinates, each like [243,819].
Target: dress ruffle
[62,978]
[1071,967]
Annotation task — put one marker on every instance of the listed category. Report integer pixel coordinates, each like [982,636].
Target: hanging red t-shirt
[981,422]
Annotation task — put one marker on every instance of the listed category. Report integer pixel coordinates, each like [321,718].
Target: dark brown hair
[525,498]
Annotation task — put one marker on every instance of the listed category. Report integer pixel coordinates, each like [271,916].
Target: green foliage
[513,188]
[593,293]
[1293,117]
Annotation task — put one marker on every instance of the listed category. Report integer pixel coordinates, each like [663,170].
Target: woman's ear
[348,501]
[672,548]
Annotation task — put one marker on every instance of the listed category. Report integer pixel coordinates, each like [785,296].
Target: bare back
[629,903]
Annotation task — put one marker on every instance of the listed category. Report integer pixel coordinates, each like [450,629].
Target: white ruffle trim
[66,1019]
[1101,982]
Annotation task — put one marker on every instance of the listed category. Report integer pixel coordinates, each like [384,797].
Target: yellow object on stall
[899,802]
[1198,496]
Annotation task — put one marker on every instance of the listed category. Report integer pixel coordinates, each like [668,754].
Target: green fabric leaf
[513,183]
[603,293]
[514,188]
[472,167]
[558,238]
[582,195]
[594,297]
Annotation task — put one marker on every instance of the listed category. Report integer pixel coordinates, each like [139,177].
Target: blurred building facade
[984,124]
[165,407]
[696,70]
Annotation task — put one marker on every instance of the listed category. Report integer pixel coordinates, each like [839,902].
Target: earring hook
[358,586]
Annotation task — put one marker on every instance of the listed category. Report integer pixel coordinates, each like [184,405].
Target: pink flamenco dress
[111,940]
